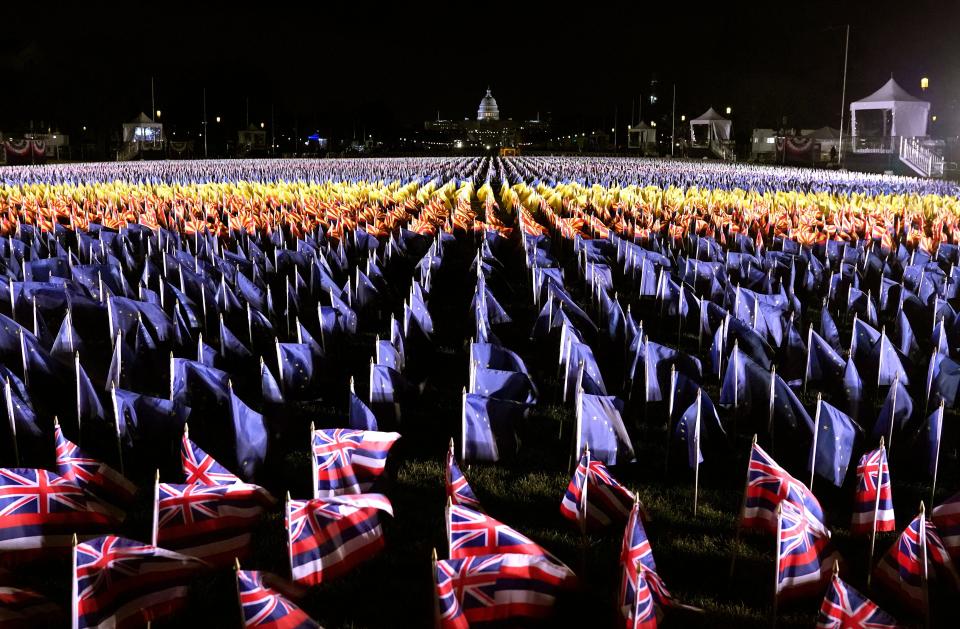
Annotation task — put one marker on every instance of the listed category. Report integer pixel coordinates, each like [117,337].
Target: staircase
[919,158]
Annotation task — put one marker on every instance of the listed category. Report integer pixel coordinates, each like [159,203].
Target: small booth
[642,137]
[890,112]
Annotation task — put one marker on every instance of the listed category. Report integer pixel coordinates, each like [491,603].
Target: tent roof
[824,133]
[708,115]
[640,126]
[890,92]
[142,119]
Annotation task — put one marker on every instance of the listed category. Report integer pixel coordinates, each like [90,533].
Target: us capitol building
[488,130]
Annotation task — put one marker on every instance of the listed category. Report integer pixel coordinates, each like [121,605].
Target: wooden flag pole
[772,407]
[76,374]
[923,557]
[696,459]
[776,572]
[156,508]
[313,463]
[171,375]
[116,425]
[893,409]
[743,507]
[23,358]
[936,458]
[286,519]
[876,511]
[813,447]
[8,393]
[806,369]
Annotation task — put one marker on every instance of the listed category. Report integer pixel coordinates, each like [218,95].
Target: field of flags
[464,391]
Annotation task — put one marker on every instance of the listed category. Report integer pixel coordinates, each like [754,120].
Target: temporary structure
[143,130]
[708,127]
[901,114]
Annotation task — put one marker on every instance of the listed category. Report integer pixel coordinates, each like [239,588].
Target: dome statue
[488,108]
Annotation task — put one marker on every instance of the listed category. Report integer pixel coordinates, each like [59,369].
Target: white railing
[920,158]
[723,150]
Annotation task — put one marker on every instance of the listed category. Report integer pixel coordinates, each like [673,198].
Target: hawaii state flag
[330,536]
[348,461]
[873,494]
[901,569]
[199,468]
[95,477]
[40,510]
[594,497]
[497,587]
[470,533]
[263,606]
[769,485]
[212,523]
[119,582]
[458,489]
[946,517]
[804,556]
[845,608]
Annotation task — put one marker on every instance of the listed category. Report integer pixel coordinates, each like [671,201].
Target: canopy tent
[901,114]
[641,136]
[711,126]
[143,129]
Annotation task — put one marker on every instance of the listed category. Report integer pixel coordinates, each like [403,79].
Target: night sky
[385,69]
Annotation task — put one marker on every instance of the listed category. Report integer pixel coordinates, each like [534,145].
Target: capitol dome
[488,108]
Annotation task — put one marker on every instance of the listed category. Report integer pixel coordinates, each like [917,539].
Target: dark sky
[385,67]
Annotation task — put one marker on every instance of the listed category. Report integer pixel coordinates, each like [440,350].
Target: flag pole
[171,375]
[236,574]
[8,393]
[743,507]
[156,508]
[893,408]
[806,369]
[813,447]
[76,374]
[74,590]
[673,395]
[579,426]
[936,458]
[286,519]
[771,408]
[463,426]
[876,511]
[696,459]
[436,601]
[313,463]
[776,572]
[923,556]
[116,424]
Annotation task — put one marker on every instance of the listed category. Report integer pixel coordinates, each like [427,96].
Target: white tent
[143,130]
[641,136]
[717,127]
[902,114]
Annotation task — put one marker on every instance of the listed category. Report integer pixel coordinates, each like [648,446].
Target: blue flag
[269,388]
[296,368]
[836,433]
[489,426]
[602,429]
[250,437]
[504,385]
[360,417]
[895,413]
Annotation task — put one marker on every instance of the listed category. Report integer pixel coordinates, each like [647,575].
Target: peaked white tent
[144,130]
[902,113]
[717,127]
